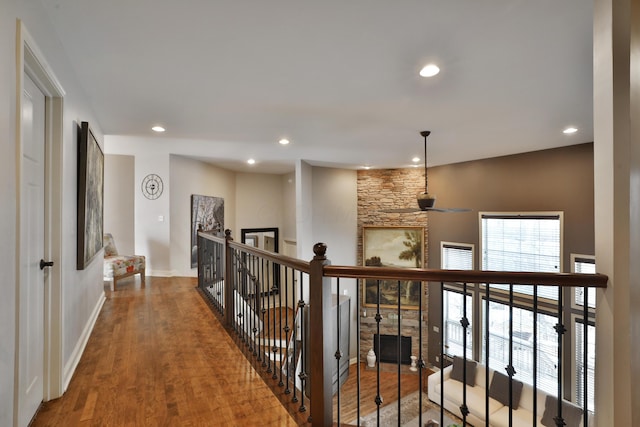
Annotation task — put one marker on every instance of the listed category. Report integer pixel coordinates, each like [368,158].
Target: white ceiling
[339,78]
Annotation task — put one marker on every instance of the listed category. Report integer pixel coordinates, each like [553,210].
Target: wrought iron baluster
[510,369]
[560,330]
[338,353]
[585,359]
[442,336]
[486,350]
[303,346]
[358,356]
[464,409]
[378,319]
[264,352]
[275,344]
[535,353]
[289,357]
[283,348]
[421,364]
[399,351]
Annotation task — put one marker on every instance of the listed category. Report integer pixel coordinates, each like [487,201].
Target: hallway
[159,357]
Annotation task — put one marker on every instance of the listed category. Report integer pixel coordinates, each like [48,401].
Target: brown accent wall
[559,179]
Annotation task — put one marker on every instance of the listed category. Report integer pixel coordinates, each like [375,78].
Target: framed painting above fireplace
[400,247]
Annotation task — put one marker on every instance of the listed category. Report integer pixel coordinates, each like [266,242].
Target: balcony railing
[288,316]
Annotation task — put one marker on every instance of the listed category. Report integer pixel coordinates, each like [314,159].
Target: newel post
[320,334]
[229,280]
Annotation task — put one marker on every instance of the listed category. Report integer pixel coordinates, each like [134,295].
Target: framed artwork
[90,196]
[207,214]
[400,247]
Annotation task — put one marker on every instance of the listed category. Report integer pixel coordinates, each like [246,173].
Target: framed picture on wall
[207,214]
[90,196]
[399,247]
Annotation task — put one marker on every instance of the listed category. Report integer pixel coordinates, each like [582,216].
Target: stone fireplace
[381,189]
[388,351]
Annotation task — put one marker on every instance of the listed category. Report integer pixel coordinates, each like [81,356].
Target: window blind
[587,266]
[522,243]
[456,256]
[581,370]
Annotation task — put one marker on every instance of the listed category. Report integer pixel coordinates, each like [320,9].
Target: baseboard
[162,273]
[72,364]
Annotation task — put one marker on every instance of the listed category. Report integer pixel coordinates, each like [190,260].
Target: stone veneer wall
[389,189]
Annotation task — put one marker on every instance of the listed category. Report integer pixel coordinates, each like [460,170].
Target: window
[456,256]
[523,321]
[584,264]
[522,242]
[453,331]
[580,363]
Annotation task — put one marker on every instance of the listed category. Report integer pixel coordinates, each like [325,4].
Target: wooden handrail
[271,256]
[428,275]
[209,235]
[469,276]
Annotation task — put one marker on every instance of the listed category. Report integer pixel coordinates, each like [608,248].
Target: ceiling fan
[426,201]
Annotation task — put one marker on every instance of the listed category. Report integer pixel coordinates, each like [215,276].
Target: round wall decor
[152,186]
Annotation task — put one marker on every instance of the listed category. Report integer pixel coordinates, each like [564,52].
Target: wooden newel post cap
[320,249]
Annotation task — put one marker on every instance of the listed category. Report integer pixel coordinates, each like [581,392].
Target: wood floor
[369,390]
[159,357]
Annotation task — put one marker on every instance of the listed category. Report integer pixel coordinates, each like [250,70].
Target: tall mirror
[261,238]
[266,239]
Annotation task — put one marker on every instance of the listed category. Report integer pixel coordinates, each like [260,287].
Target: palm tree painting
[400,247]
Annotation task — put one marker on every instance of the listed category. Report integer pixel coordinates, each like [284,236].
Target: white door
[30,363]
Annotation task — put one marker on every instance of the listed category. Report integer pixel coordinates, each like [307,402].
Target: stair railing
[306,287]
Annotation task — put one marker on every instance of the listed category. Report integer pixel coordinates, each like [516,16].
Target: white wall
[335,223]
[289,207]
[152,217]
[81,292]
[119,201]
[259,202]
[189,177]
[304,209]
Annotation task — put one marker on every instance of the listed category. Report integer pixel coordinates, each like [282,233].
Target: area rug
[432,415]
[409,413]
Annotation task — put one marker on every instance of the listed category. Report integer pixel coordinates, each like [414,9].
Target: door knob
[44,264]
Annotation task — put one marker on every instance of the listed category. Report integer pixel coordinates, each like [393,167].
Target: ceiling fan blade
[401,210]
[415,210]
[449,209]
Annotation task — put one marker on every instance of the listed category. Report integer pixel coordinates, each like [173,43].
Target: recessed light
[158,129]
[251,161]
[283,141]
[429,70]
[366,167]
[570,130]
[415,159]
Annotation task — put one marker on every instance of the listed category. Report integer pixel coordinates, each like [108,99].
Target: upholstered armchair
[118,266]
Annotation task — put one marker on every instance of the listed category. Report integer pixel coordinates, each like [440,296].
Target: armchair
[118,266]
